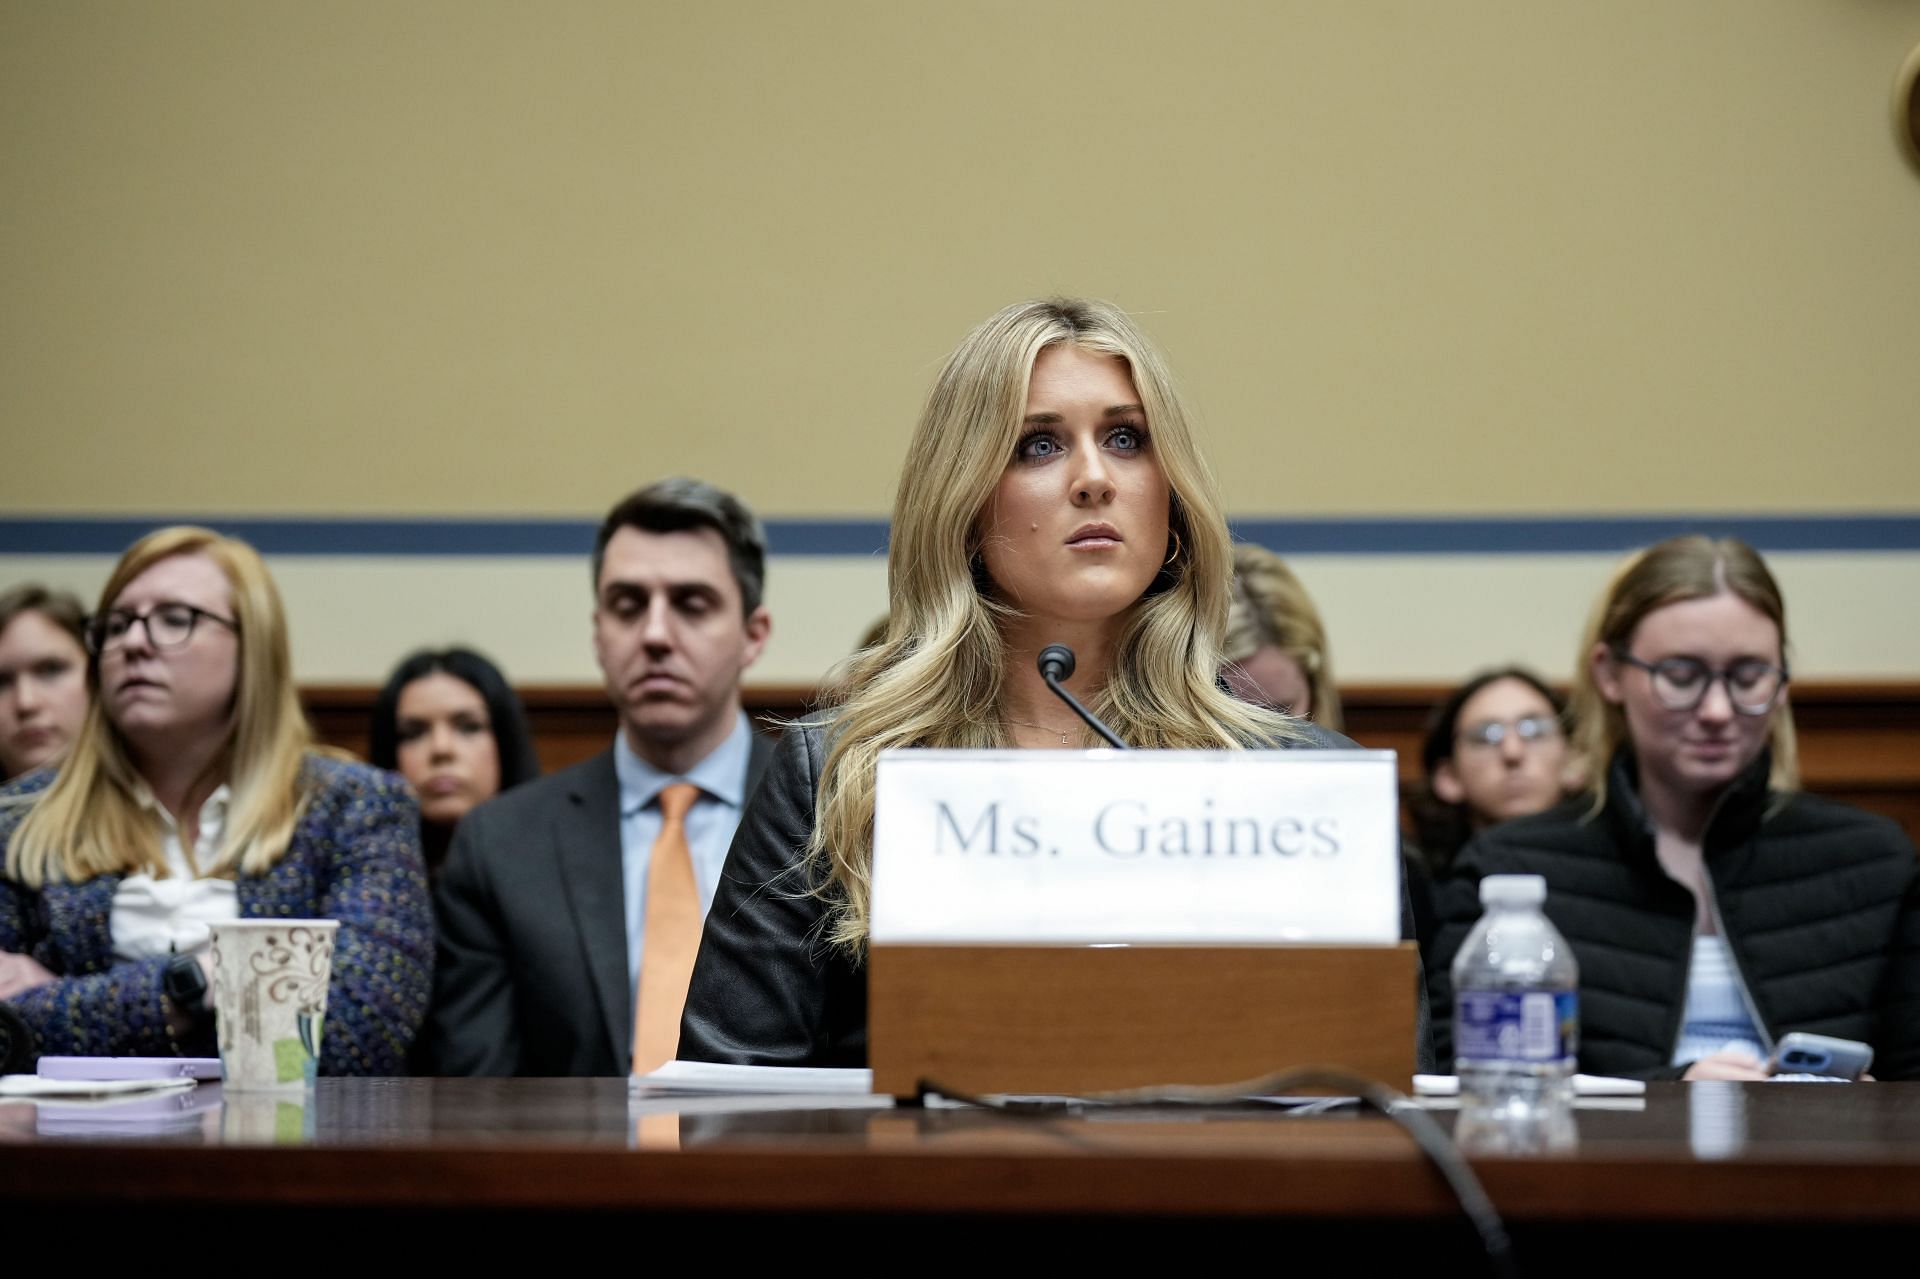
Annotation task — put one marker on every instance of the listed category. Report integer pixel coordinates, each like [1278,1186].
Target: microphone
[1056,664]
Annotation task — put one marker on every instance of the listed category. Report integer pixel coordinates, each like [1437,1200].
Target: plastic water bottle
[1516,1009]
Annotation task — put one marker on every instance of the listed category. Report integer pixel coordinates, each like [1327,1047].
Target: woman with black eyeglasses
[1711,906]
[195,795]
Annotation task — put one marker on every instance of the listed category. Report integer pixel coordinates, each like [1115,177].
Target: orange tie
[672,937]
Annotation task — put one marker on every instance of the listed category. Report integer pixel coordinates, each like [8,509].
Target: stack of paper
[698,1085]
[1591,1092]
[35,1088]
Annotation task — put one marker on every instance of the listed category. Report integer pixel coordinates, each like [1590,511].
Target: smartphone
[1799,1053]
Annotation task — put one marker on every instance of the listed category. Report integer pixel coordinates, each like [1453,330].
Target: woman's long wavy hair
[90,821]
[1684,568]
[1271,609]
[935,678]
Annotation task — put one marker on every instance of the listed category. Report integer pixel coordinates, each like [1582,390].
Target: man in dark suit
[545,903]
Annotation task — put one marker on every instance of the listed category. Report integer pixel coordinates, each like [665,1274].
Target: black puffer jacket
[1819,903]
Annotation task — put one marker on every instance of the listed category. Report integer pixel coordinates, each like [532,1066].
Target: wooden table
[1754,1171]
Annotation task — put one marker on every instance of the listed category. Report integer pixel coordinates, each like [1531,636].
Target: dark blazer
[531,975]
[354,857]
[768,989]
[1819,904]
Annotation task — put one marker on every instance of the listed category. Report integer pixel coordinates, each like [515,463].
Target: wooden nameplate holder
[1078,1019]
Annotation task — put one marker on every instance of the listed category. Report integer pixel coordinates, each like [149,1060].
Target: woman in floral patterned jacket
[194,794]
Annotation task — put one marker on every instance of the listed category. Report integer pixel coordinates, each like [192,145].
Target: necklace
[1041,728]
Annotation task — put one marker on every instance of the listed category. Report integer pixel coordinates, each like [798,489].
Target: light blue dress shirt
[722,779]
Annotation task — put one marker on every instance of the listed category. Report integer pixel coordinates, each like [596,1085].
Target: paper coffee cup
[270,999]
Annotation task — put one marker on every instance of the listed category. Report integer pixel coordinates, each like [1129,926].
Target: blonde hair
[90,822]
[1679,569]
[1272,610]
[935,677]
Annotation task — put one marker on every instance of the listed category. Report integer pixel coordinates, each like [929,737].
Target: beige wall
[368,256]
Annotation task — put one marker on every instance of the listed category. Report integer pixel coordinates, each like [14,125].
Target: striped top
[1716,1018]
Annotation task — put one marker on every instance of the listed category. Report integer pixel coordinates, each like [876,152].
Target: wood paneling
[1859,742]
[1079,1019]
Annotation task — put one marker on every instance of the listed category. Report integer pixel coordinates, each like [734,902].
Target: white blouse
[152,917]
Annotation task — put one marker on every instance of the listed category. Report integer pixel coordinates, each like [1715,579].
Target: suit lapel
[587,836]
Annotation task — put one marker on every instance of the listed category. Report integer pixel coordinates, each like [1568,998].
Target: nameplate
[1136,846]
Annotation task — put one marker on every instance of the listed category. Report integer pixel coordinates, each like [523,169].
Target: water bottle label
[1516,1025]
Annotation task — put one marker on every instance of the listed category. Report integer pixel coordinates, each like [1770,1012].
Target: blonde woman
[1276,645]
[193,795]
[1276,655]
[1712,906]
[1051,494]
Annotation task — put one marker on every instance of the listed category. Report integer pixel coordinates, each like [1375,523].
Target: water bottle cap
[1513,890]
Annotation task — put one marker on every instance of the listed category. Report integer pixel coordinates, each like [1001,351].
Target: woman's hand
[20,973]
[1727,1065]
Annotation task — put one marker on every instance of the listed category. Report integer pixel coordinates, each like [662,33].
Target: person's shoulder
[532,800]
[759,754]
[802,746]
[323,771]
[1317,737]
[28,784]
[1571,821]
[1564,831]
[17,798]
[1796,815]
[340,789]
[1302,735]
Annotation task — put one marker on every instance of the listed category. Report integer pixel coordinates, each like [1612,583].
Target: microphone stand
[1056,664]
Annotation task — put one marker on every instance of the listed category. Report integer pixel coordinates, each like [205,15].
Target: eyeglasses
[168,626]
[1526,730]
[1681,683]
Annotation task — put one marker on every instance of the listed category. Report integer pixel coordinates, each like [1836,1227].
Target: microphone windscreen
[1056,662]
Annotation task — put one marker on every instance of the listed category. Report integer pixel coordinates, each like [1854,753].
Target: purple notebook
[129,1068]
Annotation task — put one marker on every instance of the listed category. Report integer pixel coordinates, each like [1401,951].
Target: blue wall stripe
[868,537]
[1576,534]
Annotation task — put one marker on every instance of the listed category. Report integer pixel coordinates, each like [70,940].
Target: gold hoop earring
[1178,546]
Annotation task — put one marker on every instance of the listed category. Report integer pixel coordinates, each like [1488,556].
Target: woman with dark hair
[449,723]
[1495,749]
[1712,906]
[43,676]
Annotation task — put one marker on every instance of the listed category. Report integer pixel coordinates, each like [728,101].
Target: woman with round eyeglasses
[194,794]
[1495,749]
[1712,906]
